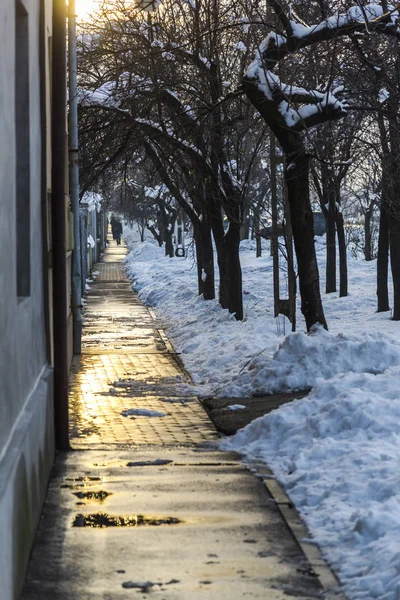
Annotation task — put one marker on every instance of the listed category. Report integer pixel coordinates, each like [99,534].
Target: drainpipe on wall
[44,182]
[59,246]
[74,179]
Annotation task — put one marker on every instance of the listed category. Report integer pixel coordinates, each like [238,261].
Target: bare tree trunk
[394,204]
[245,228]
[290,265]
[298,188]
[232,244]
[230,272]
[256,230]
[394,237]
[330,283]
[169,246]
[343,279]
[368,233]
[382,266]
[218,235]
[205,261]
[157,236]
[303,234]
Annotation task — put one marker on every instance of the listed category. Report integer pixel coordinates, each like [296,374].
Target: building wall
[26,413]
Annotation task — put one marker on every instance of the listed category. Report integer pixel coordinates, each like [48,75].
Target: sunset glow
[85,7]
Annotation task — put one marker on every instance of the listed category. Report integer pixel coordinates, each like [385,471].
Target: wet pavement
[145,503]
[127,364]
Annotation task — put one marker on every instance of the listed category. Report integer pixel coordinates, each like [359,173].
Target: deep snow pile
[301,360]
[337,451]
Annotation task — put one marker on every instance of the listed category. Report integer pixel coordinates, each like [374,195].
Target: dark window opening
[22,148]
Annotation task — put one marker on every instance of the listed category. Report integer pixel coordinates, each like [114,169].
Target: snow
[141,412]
[368,14]
[337,450]
[241,47]
[337,454]
[268,82]
[236,407]
[383,95]
[302,360]
[245,24]
[205,61]
[92,200]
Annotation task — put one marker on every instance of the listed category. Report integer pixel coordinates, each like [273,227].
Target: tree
[149,82]
[292,111]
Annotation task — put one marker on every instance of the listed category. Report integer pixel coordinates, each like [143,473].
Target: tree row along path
[145,503]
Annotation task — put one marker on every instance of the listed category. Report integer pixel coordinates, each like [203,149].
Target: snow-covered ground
[337,452]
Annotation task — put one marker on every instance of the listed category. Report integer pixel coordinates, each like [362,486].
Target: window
[22,148]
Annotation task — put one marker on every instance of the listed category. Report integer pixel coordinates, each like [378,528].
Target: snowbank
[337,454]
[302,360]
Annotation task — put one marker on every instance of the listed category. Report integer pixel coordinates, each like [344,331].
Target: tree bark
[245,228]
[343,278]
[256,230]
[205,261]
[330,283]
[232,244]
[217,228]
[393,205]
[394,237]
[382,266]
[169,246]
[297,181]
[156,235]
[368,234]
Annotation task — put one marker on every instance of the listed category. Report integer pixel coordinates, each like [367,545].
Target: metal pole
[59,245]
[74,180]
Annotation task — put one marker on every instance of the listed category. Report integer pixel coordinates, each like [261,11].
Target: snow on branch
[315,103]
[310,115]
[371,17]
[112,93]
[318,106]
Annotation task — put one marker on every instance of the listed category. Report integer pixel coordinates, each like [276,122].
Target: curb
[328,580]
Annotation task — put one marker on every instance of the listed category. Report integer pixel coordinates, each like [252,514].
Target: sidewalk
[145,503]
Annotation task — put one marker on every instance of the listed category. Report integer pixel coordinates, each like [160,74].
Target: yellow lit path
[146,504]
[127,363]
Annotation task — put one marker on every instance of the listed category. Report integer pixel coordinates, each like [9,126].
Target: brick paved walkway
[128,366]
[146,504]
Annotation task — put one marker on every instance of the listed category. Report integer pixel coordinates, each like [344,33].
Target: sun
[85,8]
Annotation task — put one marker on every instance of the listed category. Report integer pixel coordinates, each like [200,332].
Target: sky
[85,7]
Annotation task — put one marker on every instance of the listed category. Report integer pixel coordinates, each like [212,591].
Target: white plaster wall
[26,398]
[22,341]
[24,468]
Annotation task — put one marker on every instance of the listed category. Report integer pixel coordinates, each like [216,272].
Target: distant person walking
[116,228]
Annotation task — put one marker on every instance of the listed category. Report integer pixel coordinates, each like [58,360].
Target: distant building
[319,223]
[319,227]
